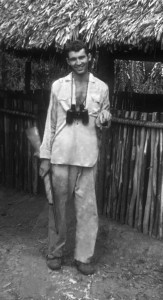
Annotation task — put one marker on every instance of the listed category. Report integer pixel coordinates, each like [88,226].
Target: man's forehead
[77,53]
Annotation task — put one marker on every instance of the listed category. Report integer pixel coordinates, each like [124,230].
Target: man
[79,103]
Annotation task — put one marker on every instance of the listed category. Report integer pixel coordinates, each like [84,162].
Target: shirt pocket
[94,105]
[64,102]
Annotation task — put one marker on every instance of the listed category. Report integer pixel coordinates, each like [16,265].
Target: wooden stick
[161,198]
[160,185]
[125,177]
[154,183]
[119,170]
[108,143]
[131,169]
[140,176]
[142,194]
[150,184]
[114,169]
[134,178]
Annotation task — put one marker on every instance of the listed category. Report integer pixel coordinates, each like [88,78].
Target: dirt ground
[129,264]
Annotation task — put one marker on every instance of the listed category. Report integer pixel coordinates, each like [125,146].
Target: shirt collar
[91,77]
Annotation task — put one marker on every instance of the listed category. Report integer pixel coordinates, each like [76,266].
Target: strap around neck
[73,97]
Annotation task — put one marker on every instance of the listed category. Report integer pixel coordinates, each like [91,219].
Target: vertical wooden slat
[134,178]
[131,172]
[144,144]
[120,157]
[160,184]
[125,174]
[154,183]
[150,192]
[139,205]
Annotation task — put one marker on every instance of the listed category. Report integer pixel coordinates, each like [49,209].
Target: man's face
[78,61]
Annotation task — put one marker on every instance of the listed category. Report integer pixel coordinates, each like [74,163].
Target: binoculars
[73,114]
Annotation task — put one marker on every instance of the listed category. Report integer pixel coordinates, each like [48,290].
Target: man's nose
[78,61]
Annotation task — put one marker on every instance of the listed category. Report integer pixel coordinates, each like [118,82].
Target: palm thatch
[40,24]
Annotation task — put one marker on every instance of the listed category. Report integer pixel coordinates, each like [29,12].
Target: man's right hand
[44,167]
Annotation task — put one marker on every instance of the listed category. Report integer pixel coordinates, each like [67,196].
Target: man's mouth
[79,68]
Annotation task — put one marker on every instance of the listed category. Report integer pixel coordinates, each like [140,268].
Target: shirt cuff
[45,154]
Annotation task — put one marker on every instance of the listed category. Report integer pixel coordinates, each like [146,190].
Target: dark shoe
[54,263]
[85,268]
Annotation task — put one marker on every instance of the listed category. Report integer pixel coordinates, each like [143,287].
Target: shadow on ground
[129,264]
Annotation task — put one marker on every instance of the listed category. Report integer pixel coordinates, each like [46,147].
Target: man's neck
[81,78]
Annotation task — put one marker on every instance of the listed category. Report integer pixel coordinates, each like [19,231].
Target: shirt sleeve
[104,108]
[50,128]
[105,105]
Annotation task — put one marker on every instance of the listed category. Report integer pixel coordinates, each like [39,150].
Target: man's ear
[89,56]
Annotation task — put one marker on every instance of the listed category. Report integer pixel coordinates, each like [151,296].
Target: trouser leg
[63,181]
[86,213]
[56,240]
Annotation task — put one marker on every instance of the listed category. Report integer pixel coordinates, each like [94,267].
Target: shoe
[85,268]
[54,263]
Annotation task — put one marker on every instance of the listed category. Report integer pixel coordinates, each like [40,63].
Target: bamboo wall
[130,181]
[18,166]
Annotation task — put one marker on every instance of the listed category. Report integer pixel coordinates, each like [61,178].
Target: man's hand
[105,116]
[44,167]
[104,119]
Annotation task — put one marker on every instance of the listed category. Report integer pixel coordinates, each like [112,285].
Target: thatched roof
[40,24]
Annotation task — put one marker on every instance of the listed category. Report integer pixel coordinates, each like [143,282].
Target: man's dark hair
[75,46]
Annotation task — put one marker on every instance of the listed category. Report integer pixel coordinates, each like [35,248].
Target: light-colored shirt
[75,144]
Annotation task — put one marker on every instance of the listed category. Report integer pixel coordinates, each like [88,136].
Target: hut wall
[130,172]
[133,171]
[18,166]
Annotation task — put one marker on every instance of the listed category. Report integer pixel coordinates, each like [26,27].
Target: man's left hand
[104,119]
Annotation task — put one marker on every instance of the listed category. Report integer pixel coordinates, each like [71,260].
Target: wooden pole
[140,175]
[154,183]
[161,195]
[125,178]
[134,178]
[150,192]
[160,185]
[131,167]
[113,189]
[144,150]
[120,155]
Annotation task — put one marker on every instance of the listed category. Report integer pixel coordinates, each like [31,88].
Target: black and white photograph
[81,149]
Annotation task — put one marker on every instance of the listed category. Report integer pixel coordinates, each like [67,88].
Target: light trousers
[69,181]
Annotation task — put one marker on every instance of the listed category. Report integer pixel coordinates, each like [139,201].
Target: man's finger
[43,172]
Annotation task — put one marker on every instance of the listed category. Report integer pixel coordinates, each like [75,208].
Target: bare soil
[129,264]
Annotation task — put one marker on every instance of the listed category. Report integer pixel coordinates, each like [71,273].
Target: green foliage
[141,77]
[43,73]
[12,72]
